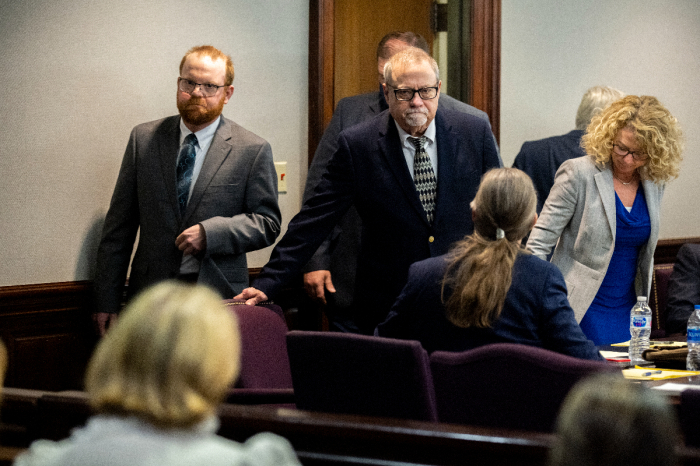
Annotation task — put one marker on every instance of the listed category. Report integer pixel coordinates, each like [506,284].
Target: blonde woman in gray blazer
[633,144]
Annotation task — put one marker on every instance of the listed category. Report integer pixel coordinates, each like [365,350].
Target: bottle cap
[697,306]
[641,298]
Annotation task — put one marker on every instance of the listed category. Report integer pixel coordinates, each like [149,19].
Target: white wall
[553,50]
[77,75]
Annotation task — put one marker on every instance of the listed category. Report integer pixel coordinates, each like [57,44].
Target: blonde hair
[215,54]
[171,358]
[607,420]
[480,267]
[656,132]
[408,57]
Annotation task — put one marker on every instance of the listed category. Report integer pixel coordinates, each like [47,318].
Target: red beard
[194,111]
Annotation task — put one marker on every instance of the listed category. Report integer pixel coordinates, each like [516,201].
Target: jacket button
[431,239]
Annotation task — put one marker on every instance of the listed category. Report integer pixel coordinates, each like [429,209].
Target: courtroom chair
[363,375]
[659,298]
[265,375]
[506,385]
[689,417]
[61,412]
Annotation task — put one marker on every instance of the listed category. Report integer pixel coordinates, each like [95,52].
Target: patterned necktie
[424,177]
[185,166]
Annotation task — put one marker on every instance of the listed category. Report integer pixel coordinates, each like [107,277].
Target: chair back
[264,360]
[659,298]
[363,375]
[689,413]
[506,385]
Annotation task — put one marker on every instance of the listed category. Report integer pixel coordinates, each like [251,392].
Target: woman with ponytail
[488,289]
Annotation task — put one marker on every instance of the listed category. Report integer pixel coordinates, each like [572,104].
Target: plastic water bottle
[640,329]
[693,361]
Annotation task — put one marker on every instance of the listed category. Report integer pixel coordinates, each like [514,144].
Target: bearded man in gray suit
[201,189]
[329,277]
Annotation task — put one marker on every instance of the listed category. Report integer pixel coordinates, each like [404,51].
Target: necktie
[424,177]
[185,166]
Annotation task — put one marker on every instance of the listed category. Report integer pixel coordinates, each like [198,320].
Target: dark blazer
[339,252]
[683,288]
[369,171]
[535,313]
[234,199]
[542,158]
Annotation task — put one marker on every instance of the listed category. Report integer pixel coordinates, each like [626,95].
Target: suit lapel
[651,195]
[168,145]
[391,151]
[218,151]
[604,183]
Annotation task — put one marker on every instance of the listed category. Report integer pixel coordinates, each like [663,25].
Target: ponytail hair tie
[500,234]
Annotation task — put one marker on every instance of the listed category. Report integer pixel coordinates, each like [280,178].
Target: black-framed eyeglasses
[188,86]
[426,93]
[623,152]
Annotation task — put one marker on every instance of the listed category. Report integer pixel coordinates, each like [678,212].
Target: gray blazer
[234,199]
[580,213]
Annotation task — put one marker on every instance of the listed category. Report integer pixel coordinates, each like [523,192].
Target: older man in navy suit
[411,173]
[329,277]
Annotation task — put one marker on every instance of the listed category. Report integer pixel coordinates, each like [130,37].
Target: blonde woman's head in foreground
[607,420]
[170,359]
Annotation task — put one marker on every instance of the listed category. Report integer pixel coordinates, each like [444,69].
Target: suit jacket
[234,199]
[535,312]
[542,158]
[369,171]
[683,288]
[339,252]
[580,214]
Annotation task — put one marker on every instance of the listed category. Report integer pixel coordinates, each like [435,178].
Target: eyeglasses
[425,93]
[188,86]
[623,152]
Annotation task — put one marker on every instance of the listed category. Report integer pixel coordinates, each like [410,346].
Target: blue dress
[608,318]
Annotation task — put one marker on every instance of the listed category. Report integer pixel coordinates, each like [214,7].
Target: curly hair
[656,132]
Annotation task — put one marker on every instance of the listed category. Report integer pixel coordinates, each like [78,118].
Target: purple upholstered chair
[689,414]
[506,385]
[364,375]
[265,373]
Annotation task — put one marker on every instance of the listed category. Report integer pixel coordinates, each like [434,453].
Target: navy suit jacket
[683,288]
[369,171]
[339,253]
[536,312]
[542,158]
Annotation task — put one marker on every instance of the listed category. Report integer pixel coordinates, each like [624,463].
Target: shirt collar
[429,134]
[203,134]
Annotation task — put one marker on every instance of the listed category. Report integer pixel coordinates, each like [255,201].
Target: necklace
[618,179]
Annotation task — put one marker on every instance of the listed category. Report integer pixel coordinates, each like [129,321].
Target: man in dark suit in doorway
[330,274]
[411,172]
[200,190]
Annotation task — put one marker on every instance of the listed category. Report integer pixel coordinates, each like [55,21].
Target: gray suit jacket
[339,253]
[234,199]
[580,213]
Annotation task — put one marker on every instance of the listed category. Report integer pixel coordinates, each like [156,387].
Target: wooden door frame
[485,64]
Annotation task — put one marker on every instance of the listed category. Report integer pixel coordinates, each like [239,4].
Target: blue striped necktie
[185,167]
[424,177]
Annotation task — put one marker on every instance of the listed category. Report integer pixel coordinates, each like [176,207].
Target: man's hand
[316,283]
[253,296]
[103,321]
[192,241]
